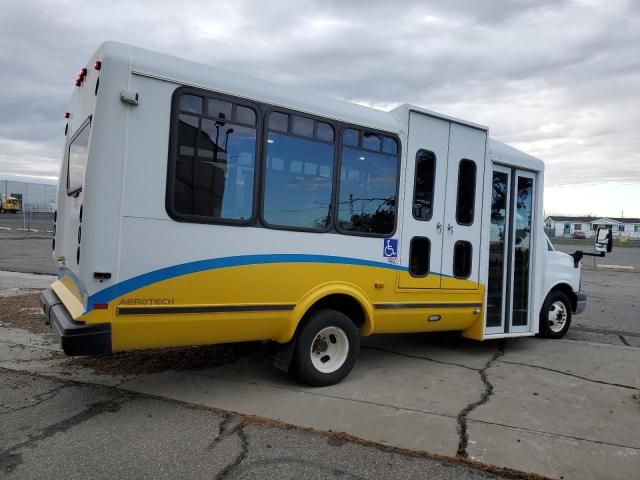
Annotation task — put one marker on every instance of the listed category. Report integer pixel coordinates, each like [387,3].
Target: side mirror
[604,240]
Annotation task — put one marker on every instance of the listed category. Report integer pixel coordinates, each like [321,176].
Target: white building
[561,226]
[33,197]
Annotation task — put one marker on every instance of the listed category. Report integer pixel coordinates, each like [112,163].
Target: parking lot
[25,243]
[415,406]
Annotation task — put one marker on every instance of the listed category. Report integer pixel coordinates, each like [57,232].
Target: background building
[560,226]
[33,197]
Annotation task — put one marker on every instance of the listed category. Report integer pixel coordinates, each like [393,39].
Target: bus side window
[214,161]
[424,185]
[419,255]
[298,175]
[368,187]
[466,192]
[462,251]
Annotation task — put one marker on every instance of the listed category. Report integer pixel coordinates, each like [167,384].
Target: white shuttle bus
[197,206]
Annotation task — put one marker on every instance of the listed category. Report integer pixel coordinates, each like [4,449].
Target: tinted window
[522,250]
[219,108]
[302,126]
[297,182]
[350,137]
[466,192]
[390,145]
[419,254]
[424,185]
[214,169]
[462,259]
[367,201]
[78,153]
[497,248]
[279,121]
[324,132]
[371,141]
[191,103]
[245,115]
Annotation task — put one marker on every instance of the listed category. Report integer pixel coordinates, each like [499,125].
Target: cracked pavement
[565,409]
[555,408]
[60,429]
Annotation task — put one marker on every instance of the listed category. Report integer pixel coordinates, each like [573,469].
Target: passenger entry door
[424,201]
[463,209]
[510,251]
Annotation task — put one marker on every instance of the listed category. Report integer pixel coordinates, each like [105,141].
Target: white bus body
[197,206]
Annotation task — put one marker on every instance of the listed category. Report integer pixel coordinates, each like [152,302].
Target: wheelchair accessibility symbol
[390,248]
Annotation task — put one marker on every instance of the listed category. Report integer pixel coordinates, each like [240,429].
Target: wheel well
[568,291]
[342,303]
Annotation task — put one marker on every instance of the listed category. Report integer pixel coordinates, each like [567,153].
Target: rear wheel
[555,316]
[327,346]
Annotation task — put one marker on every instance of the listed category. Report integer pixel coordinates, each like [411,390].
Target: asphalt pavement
[25,243]
[565,409]
[57,429]
[613,296]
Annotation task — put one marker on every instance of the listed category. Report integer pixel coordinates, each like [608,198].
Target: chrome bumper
[581,302]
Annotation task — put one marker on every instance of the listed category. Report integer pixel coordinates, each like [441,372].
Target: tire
[555,316]
[327,346]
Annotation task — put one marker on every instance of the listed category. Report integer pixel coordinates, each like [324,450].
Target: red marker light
[83,72]
[67,114]
[97,65]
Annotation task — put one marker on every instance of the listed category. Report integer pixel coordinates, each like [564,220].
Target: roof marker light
[67,114]
[97,65]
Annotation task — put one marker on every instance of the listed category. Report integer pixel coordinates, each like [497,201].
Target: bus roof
[184,72]
[166,67]
[503,153]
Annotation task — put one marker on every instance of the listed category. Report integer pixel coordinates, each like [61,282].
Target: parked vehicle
[579,234]
[9,205]
[198,206]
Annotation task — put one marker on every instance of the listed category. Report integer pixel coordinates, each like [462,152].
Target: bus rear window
[78,153]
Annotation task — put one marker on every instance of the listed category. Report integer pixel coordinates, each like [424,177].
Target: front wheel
[327,346]
[555,316]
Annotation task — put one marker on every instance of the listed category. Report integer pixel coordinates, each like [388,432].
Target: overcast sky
[557,79]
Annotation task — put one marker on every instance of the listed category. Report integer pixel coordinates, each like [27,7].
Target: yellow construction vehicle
[9,204]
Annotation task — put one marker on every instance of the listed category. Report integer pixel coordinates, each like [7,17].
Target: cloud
[557,79]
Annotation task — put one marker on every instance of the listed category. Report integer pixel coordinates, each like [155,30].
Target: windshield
[549,244]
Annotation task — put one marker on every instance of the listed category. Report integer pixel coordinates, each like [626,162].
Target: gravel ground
[23,312]
[159,360]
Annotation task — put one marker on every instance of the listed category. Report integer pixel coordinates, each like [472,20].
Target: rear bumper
[75,338]
[581,302]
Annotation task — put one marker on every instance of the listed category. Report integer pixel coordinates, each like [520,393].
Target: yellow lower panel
[299,284]
[153,331]
[417,320]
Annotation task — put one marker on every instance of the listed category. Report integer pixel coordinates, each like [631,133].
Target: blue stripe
[127,286]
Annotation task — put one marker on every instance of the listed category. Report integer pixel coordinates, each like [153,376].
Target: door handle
[439,227]
[450,228]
